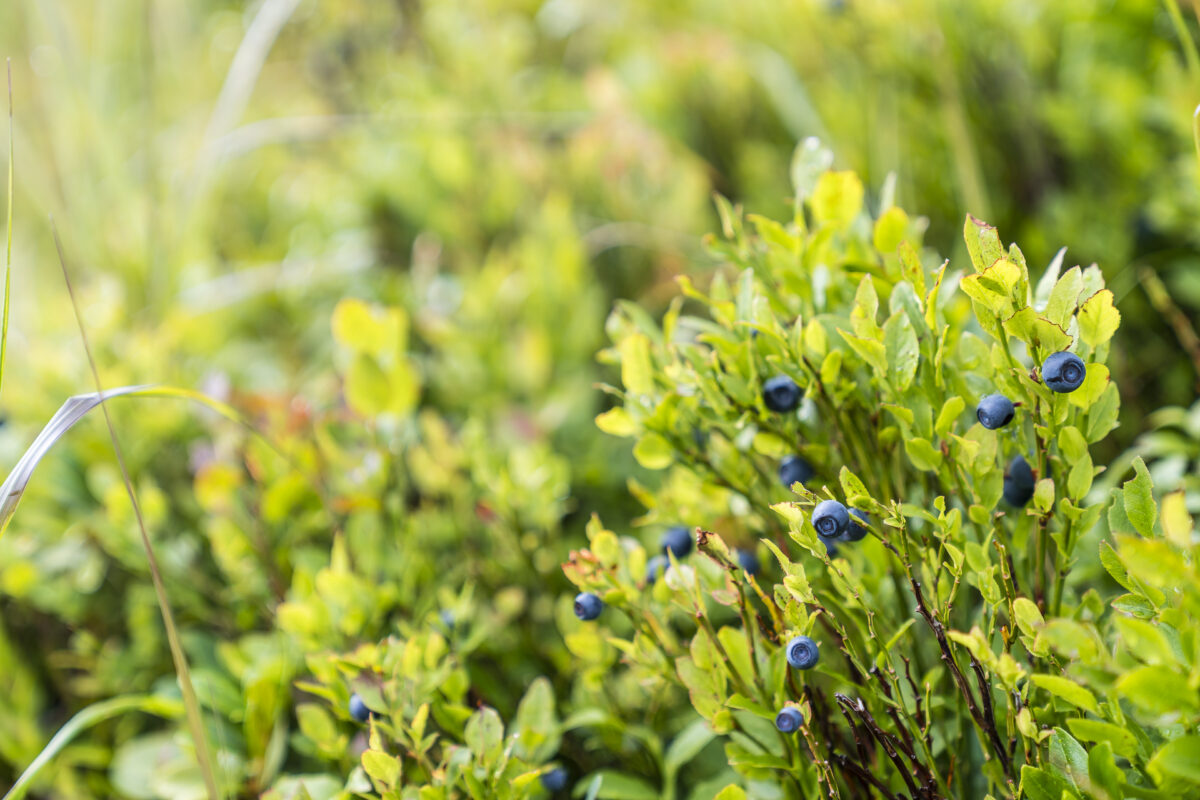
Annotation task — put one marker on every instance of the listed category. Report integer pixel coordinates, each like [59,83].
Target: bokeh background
[498,173]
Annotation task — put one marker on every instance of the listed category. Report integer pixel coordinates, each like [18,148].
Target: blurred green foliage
[488,178]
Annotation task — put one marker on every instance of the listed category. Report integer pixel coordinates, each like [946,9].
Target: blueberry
[994,411]
[794,469]
[588,606]
[447,618]
[656,568]
[1018,482]
[748,559]
[802,653]
[830,518]
[856,532]
[780,393]
[789,719]
[677,539]
[1063,372]
[358,709]
[555,780]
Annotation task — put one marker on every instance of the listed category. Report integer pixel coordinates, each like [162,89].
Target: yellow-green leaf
[837,198]
[1068,690]
[1098,319]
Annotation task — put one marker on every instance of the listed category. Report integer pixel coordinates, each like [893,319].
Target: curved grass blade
[92,715]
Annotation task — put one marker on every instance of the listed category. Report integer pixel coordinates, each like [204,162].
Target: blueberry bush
[829,515]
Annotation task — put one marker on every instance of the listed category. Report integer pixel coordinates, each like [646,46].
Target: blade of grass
[92,715]
[1185,39]
[8,260]
[190,702]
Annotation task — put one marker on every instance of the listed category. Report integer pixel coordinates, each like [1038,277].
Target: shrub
[959,657]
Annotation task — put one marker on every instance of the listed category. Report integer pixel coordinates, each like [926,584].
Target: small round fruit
[358,709]
[856,532]
[780,393]
[1018,482]
[677,539]
[749,562]
[802,653]
[656,568]
[830,518]
[994,411]
[794,469]
[789,719]
[555,780]
[1063,372]
[588,606]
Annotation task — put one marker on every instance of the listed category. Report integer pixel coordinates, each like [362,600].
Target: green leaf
[368,389]
[983,243]
[869,350]
[1098,319]
[837,199]
[637,372]
[1139,499]
[616,422]
[536,723]
[1041,784]
[687,745]
[902,349]
[1179,758]
[1069,757]
[653,451]
[923,454]
[731,792]
[1029,618]
[949,415]
[1064,297]
[1157,689]
[1103,772]
[890,230]
[1145,641]
[369,329]
[1037,331]
[852,487]
[1093,730]
[384,769]
[1102,415]
[618,786]
[484,734]
[1176,522]
[1068,690]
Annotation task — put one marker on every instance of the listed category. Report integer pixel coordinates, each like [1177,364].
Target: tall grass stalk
[190,702]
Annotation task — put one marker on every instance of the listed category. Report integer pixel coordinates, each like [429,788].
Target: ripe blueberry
[1018,482]
[830,518]
[656,568]
[802,653]
[856,532]
[588,606]
[780,393]
[789,719]
[555,780]
[678,540]
[748,559]
[994,411]
[1063,372]
[358,709]
[794,469]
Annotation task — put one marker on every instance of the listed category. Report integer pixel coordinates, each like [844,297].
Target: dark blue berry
[588,606]
[748,560]
[802,653]
[994,411]
[856,532]
[656,568]
[1063,372]
[1018,482]
[358,709]
[678,540]
[794,469]
[780,393]
[555,780]
[789,719]
[830,518]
